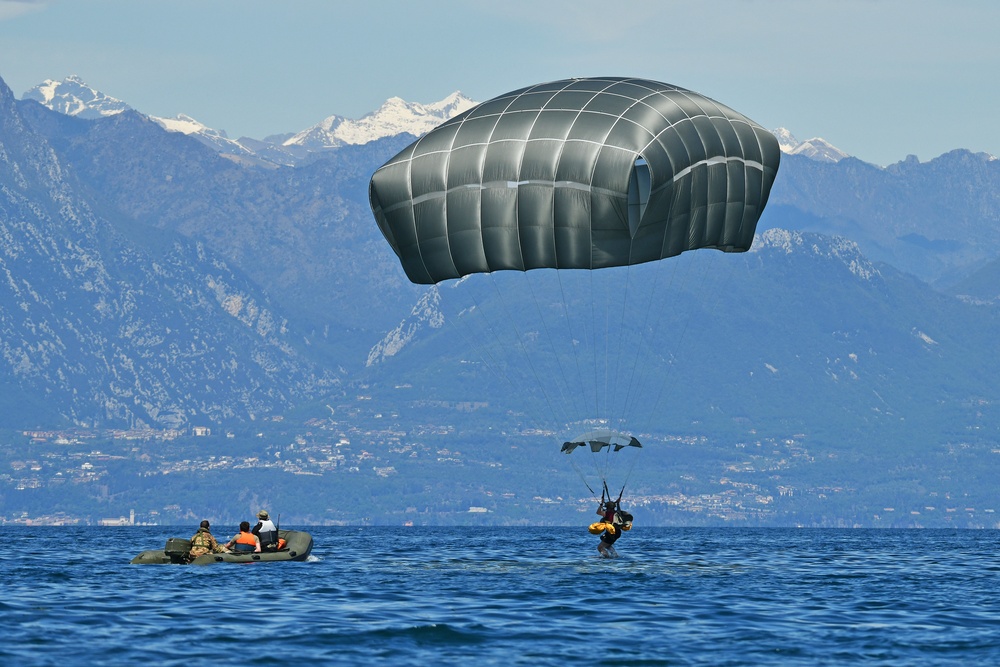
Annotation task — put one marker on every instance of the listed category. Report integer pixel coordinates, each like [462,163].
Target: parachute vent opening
[638,194]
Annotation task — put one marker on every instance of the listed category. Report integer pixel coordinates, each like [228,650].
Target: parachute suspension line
[520,343]
[668,309]
[561,385]
[683,332]
[601,468]
[607,349]
[620,335]
[489,360]
[684,323]
[600,472]
[593,343]
[572,338]
[628,476]
[647,332]
[583,478]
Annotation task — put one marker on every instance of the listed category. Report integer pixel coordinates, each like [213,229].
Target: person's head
[204,524]
[244,526]
[610,505]
[262,515]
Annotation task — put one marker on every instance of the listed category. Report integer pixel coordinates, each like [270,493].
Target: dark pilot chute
[600,440]
[583,173]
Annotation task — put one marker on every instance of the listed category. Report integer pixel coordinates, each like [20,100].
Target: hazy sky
[880,79]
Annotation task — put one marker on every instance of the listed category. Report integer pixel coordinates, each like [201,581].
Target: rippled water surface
[500,596]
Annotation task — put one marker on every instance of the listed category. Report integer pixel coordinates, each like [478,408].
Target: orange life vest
[247,538]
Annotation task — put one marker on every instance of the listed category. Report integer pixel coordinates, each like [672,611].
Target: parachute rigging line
[561,386]
[489,360]
[714,304]
[572,332]
[618,358]
[524,351]
[634,392]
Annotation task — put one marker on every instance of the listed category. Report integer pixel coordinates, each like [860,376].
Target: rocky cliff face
[105,320]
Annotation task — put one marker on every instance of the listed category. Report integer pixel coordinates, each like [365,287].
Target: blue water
[496,596]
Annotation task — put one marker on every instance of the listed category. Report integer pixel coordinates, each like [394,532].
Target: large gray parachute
[575,174]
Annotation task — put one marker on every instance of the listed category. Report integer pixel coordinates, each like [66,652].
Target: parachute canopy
[575,174]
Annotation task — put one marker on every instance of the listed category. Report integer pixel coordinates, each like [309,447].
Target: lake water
[506,596]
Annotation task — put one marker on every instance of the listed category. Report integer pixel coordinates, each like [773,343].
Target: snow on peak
[815,148]
[73,97]
[395,116]
[187,125]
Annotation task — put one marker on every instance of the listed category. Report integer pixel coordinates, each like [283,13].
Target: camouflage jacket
[204,542]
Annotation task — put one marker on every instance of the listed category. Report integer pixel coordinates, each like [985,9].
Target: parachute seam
[753,164]
[447,173]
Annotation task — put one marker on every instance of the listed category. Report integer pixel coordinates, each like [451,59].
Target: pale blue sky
[880,79]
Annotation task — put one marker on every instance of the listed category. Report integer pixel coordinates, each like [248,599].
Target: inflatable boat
[298,545]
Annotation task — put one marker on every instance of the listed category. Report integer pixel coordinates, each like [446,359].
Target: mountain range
[159,273]
[73,97]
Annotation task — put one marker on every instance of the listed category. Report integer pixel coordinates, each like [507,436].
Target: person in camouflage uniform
[204,542]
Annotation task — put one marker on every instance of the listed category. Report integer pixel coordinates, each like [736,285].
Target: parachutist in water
[614,522]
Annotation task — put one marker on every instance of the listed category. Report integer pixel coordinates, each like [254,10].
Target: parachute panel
[534,212]
[466,167]
[501,244]
[572,228]
[502,164]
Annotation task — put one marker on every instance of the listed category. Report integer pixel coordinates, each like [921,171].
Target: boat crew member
[203,542]
[266,531]
[245,540]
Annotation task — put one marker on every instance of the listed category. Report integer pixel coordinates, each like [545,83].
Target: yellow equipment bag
[600,527]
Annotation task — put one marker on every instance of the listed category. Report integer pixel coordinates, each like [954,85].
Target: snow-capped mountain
[216,139]
[73,97]
[396,116]
[815,148]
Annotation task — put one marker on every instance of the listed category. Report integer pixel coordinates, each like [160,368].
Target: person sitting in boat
[244,541]
[203,542]
[266,531]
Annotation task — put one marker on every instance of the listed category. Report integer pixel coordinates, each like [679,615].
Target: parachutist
[614,522]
